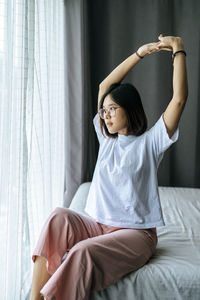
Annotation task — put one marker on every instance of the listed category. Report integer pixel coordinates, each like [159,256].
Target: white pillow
[79,199]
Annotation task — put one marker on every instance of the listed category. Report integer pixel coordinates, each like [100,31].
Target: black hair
[127,97]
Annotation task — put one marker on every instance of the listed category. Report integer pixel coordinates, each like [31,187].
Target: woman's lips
[109,124]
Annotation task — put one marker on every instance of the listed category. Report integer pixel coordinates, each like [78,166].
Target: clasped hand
[168,43]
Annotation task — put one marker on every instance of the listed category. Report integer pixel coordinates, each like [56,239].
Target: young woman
[76,254]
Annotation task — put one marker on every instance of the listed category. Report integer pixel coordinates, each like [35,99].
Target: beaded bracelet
[179,51]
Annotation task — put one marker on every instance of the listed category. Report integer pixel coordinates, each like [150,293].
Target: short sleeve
[160,138]
[96,123]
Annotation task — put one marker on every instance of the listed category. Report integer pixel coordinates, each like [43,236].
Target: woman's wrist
[140,52]
[177,45]
[139,55]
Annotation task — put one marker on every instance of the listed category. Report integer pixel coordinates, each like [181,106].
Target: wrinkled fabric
[83,255]
[173,272]
[124,188]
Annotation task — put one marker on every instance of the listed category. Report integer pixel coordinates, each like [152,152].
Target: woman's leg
[62,230]
[40,277]
[98,262]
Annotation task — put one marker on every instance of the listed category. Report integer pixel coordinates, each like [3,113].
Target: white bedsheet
[174,271]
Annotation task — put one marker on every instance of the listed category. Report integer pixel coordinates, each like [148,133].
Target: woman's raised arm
[180,86]
[118,74]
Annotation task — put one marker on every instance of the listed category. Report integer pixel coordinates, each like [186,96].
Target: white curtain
[31,132]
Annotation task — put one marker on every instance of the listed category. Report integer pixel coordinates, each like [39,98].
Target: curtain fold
[31,132]
[74,92]
[80,154]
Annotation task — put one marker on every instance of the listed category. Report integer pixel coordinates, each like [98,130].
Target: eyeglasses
[111,111]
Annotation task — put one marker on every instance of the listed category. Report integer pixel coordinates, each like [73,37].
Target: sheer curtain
[31,132]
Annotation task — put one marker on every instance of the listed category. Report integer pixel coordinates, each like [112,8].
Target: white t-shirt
[124,188]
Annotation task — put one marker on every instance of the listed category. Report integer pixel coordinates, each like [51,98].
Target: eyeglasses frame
[108,111]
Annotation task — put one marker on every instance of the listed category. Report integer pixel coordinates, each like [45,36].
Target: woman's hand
[148,49]
[169,43]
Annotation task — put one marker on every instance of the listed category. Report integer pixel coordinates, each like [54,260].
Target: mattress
[174,271]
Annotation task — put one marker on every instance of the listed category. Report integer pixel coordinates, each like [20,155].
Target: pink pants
[98,255]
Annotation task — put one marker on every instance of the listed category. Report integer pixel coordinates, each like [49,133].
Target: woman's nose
[107,115]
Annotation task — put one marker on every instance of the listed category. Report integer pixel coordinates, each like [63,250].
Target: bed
[174,271]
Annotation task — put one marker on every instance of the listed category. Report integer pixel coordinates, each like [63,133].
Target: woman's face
[118,122]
